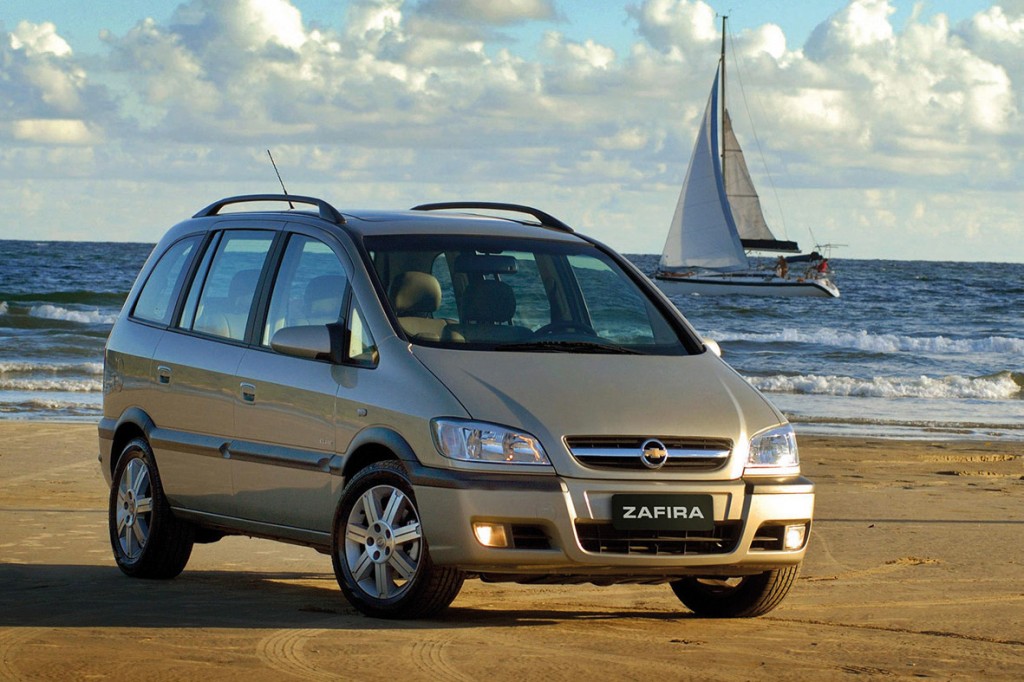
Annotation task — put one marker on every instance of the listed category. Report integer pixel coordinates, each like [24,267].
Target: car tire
[148,541]
[381,559]
[746,597]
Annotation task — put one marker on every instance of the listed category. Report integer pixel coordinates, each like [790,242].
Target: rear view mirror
[487,264]
[713,346]
[313,342]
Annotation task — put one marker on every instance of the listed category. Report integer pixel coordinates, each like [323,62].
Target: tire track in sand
[284,651]
[11,641]
[429,654]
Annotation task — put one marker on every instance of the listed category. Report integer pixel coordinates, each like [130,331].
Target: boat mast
[721,118]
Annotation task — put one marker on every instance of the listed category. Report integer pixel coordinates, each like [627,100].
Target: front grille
[603,538]
[623,452]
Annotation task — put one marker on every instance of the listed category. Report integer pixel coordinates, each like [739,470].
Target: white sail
[703,233]
[743,199]
[718,215]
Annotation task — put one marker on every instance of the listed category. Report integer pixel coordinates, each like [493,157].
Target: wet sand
[915,570]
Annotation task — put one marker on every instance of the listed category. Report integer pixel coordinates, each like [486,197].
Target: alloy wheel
[134,508]
[383,542]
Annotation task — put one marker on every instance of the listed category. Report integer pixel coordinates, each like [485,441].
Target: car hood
[557,395]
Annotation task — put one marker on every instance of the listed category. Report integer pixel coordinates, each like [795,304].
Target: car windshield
[531,295]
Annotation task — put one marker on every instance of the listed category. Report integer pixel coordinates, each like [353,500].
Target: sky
[893,128]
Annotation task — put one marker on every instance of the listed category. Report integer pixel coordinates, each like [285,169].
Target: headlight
[481,442]
[774,449]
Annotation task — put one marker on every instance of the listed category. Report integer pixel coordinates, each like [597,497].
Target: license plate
[663,512]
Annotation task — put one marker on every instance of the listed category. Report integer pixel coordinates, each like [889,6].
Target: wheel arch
[133,423]
[377,444]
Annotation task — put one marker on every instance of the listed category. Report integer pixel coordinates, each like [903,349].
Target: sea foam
[53,312]
[879,343]
[1002,386]
[61,385]
[54,407]
[90,368]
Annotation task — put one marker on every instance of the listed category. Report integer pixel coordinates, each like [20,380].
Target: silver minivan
[463,390]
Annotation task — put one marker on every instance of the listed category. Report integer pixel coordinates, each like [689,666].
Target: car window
[489,293]
[158,295]
[309,288]
[362,349]
[225,294]
[617,313]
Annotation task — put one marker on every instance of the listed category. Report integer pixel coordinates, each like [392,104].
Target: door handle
[163,374]
[248,392]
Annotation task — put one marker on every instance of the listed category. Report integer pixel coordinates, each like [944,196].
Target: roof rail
[327,212]
[546,219]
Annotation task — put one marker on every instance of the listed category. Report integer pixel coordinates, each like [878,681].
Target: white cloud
[46,96]
[580,59]
[38,39]
[51,131]
[249,25]
[861,25]
[501,12]
[629,139]
[672,25]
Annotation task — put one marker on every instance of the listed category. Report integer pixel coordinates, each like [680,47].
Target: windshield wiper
[570,347]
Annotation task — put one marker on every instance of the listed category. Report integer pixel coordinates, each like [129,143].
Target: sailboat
[718,219]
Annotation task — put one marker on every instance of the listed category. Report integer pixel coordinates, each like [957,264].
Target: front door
[285,406]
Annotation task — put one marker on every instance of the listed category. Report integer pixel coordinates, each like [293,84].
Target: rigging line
[753,131]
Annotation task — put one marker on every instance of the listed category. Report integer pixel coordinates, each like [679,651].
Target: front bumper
[562,526]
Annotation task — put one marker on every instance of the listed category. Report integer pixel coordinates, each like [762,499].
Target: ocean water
[57,303]
[912,349]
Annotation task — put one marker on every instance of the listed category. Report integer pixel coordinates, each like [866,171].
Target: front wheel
[381,559]
[148,541]
[745,597]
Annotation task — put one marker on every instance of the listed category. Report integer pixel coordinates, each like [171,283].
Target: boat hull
[749,285]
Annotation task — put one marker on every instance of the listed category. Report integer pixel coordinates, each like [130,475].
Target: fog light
[795,536]
[491,534]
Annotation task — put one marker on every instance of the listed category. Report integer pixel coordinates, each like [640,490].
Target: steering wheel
[565,326]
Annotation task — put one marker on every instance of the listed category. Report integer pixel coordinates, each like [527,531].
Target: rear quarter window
[160,292]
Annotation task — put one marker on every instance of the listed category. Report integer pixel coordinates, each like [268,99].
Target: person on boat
[817,269]
[781,267]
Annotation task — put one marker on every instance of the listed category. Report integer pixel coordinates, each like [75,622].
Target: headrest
[415,293]
[243,284]
[324,296]
[489,302]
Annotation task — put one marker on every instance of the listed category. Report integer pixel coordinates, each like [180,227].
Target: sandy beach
[915,570]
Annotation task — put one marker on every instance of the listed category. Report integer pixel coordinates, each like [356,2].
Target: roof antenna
[283,189]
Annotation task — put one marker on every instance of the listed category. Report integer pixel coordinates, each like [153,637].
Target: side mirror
[713,346]
[316,342]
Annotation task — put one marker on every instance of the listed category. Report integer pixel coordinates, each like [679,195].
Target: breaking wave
[90,368]
[879,343]
[1001,386]
[61,385]
[53,312]
[51,408]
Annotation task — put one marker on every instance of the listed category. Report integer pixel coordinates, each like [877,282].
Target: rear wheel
[745,597]
[381,559]
[148,541]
